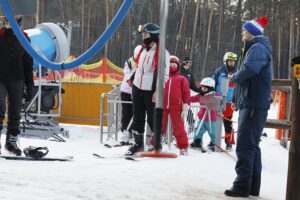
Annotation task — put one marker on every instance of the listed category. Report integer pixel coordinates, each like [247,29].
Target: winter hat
[295,61]
[256,27]
[187,59]
[174,59]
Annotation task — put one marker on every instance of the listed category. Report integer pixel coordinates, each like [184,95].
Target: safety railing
[111,117]
[192,123]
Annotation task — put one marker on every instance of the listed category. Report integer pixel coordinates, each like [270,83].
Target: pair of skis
[126,157]
[115,145]
[24,158]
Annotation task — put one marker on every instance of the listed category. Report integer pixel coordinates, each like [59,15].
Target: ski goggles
[232,57]
[187,62]
[141,28]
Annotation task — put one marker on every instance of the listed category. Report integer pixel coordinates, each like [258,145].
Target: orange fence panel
[81,102]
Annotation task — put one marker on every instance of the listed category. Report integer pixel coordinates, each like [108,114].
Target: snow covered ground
[197,176]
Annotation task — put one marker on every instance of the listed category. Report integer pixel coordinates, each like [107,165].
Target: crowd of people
[138,86]
[249,89]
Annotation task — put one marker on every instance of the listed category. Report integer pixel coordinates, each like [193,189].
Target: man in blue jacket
[252,97]
[220,74]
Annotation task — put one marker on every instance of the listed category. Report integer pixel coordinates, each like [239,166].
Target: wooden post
[293,181]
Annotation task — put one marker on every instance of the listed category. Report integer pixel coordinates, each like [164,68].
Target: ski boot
[134,149]
[196,144]
[211,146]
[11,144]
[228,147]
[138,144]
[125,138]
[183,152]
[151,145]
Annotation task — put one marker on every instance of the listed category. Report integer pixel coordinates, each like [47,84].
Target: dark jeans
[142,103]
[126,110]
[14,93]
[248,167]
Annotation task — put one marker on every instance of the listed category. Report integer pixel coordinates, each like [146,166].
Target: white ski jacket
[125,87]
[145,72]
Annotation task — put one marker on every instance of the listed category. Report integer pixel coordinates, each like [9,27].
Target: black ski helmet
[150,28]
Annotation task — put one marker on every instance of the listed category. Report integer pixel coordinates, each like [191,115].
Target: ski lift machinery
[51,54]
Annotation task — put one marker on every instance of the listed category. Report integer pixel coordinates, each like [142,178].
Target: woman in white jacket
[144,83]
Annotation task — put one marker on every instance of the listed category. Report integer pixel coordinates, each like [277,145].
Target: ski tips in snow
[126,157]
[116,145]
[97,155]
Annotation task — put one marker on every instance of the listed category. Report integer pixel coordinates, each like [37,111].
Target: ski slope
[196,176]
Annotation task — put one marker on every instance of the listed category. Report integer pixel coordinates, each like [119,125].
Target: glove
[129,82]
[212,93]
[28,94]
[185,110]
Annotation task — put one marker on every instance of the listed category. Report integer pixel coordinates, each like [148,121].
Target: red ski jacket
[176,92]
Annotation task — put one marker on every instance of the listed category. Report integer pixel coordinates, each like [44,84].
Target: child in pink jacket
[207,88]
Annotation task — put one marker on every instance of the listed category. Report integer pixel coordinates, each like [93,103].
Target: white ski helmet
[208,82]
[229,56]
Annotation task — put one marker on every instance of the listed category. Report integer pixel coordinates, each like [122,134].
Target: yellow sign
[297,70]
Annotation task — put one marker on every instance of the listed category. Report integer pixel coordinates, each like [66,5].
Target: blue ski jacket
[254,75]
[221,73]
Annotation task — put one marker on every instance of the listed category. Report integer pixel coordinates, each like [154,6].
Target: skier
[207,88]
[252,98]
[144,84]
[15,71]
[220,74]
[126,92]
[185,70]
[176,104]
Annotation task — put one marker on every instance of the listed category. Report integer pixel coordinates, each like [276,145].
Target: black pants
[14,93]
[228,125]
[142,103]
[248,167]
[126,110]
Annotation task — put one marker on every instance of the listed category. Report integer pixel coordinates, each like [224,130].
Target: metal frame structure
[112,114]
[40,124]
[38,96]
